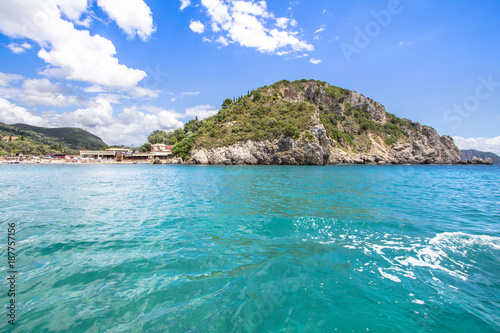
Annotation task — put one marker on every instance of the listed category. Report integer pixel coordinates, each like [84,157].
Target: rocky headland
[313,123]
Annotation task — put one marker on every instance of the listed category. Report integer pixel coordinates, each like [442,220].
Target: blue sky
[122,68]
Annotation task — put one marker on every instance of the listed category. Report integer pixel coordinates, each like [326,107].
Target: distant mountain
[73,138]
[468,154]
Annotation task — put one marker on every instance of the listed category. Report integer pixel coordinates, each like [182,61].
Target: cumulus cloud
[251,25]
[481,144]
[315,61]
[70,53]
[197,27]
[38,92]
[202,111]
[98,114]
[11,114]
[282,22]
[131,126]
[132,16]
[18,48]
[6,79]
[184,4]
[74,9]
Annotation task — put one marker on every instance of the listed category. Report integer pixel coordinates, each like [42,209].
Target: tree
[227,102]
[182,148]
[157,136]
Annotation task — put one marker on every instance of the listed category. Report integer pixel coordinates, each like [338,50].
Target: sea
[178,248]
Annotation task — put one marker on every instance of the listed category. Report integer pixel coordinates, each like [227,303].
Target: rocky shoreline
[427,147]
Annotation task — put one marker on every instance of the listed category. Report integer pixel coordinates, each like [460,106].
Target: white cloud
[481,144]
[11,114]
[202,111]
[282,22]
[131,126]
[190,93]
[223,41]
[74,10]
[317,35]
[70,53]
[197,27]
[18,48]
[187,93]
[98,114]
[185,4]
[315,61]
[5,79]
[251,25]
[144,92]
[132,16]
[43,92]
[321,28]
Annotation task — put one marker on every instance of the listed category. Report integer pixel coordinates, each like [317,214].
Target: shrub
[308,136]
[271,122]
[390,141]
[291,131]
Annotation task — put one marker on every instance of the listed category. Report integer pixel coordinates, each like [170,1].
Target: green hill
[307,122]
[286,108]
[71,138]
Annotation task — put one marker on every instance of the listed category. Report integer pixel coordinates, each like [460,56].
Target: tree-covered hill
[73,138]
[301,111]
[32,140]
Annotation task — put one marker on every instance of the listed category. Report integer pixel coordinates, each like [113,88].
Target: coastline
[63,162]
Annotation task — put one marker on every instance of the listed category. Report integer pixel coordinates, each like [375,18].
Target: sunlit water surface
[105,248]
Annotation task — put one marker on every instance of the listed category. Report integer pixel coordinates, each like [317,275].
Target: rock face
[285,151]
[468,154]
[477,160]
[361,132]
[427,147]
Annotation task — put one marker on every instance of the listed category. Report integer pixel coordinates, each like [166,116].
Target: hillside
[468,154]
[309,122]
[70,138]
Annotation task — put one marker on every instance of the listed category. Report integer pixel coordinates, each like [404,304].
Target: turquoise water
[140,248]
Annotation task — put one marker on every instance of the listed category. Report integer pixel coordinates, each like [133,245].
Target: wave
[395,256]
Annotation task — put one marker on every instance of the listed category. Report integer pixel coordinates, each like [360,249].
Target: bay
[145,248]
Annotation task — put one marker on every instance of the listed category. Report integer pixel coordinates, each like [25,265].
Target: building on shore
[126,155]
